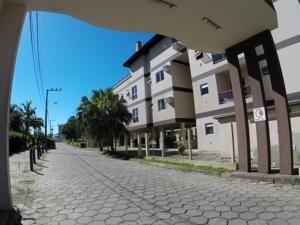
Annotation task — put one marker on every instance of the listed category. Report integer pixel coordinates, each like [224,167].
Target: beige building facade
[179,88]
[159,94]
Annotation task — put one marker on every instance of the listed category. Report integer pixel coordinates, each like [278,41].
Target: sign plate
[259,114]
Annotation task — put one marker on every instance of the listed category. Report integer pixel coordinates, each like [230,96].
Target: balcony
[227,96]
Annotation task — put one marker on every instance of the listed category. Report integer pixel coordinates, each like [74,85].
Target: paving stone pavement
[80,187]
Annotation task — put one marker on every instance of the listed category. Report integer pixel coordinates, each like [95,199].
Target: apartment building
[214,106]
[159,93]
[170,88]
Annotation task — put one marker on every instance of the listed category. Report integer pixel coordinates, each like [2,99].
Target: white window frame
[134,94]
[161,102]
[160,76]
[135,115]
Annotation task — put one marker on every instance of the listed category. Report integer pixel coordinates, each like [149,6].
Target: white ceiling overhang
[237,19]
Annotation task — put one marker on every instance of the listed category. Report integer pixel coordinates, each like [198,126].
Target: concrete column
[177,137]
[258,96]
[147,143]
[11,22]
[190,143]
[183,135]
[240,111]
[162,142]
[131,141]
[233,143]
[281,105]
[126,142]
[139,145]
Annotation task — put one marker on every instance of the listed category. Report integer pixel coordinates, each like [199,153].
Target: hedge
[17,142]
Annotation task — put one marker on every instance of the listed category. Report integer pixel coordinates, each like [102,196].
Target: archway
[210,26]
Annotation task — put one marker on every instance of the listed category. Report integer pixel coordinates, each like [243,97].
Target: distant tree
[70,129]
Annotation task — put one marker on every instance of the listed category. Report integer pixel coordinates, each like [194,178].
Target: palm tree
[37,123]
[28,114]
[103,116]
[119,116]
[29,118]
[15,120]
[90,119]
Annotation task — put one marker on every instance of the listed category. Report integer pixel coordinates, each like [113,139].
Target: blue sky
[75,56]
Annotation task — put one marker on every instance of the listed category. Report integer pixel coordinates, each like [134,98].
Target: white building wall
[184,105]
[181,75]
[166,114]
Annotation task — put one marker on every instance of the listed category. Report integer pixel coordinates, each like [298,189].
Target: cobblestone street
[81,187]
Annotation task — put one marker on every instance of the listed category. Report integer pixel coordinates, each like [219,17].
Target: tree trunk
[115,142]
[112,144]
[101,145]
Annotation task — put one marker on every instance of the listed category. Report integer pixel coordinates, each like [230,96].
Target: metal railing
[227,96]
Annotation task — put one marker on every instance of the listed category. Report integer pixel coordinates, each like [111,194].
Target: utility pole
[46,112]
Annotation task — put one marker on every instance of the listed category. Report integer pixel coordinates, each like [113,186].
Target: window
[135,115]
[204,89]
[134,92]
[161,104]
[198,55]
[160,76]
[121,97]
[209,128]
[218,57]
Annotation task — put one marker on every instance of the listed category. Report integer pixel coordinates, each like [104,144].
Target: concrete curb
[179,168]
[269,178]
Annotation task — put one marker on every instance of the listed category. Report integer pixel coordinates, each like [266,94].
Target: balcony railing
[218,57]
[227,96]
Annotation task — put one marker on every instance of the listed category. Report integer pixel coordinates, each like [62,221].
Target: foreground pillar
[281,104]
[162,142]
[11,21]
[240,111]
[147,143]
[259,101]
[269,53]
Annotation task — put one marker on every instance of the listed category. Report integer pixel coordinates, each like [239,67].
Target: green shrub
[17,142]
[79,144]
[51,144]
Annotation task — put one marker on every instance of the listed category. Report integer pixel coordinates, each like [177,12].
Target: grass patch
[27,181]
[191,166]
[74,143]
[96,150]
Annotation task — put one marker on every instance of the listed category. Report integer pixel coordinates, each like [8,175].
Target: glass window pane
[204,89]
[209,128]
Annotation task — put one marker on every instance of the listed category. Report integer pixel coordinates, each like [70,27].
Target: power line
[38,54]
[33,57]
